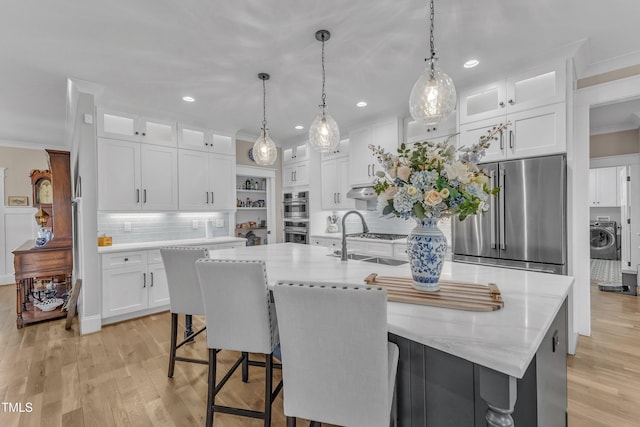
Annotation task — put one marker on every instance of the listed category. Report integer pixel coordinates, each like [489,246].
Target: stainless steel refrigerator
[525,226]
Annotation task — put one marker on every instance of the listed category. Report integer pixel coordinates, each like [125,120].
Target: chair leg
[291,421]
[212,385]
[172,349]
[245,367]
[268,387]
[188,329]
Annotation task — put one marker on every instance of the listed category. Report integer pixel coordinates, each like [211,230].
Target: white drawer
[124,259]
[371,248]
[400,251]
[154,256]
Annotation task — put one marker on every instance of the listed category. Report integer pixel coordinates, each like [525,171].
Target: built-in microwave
[296,205]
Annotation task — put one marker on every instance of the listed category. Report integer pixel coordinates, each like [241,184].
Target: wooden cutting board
[456,295]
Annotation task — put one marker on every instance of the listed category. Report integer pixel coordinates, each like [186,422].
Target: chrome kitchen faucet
[365,229]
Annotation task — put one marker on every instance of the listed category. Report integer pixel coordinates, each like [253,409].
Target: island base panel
[436,389]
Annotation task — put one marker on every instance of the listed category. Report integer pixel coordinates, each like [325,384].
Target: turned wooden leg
[19,305]
[500,392]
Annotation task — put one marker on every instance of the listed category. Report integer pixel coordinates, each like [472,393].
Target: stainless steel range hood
[362,193]
[366,198]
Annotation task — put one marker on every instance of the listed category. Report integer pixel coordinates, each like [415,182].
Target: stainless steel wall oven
[296,231]
[296,205]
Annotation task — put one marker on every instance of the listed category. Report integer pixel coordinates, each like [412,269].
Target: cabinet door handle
[295,175]
[373,170]
[511,102]
[291,176]
[137,195]
[501,104]
[144,280]
[207,193]
[555,340]
[338,198]
[368,170]
[144,196]
[510,139]
[501,141]
[151,279]
[212,197]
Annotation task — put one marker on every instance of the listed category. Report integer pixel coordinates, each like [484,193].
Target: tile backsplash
[153,227]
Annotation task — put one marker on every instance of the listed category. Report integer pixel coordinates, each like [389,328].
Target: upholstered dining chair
[337,365]
[184,295]
[240,316]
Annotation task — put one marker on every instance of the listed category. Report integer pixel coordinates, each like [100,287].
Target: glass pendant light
[324,134]
[433,96]
[264,150]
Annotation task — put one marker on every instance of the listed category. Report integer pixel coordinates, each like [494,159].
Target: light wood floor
[118,377]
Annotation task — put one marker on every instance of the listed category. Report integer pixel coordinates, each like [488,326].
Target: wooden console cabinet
[54,261]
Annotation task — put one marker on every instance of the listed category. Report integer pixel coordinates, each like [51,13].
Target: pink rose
[432,198]
[404,172]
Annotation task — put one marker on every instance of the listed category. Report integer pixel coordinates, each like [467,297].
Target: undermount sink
[385,261]
[372,259]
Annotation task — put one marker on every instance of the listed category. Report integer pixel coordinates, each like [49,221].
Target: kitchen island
[458,367]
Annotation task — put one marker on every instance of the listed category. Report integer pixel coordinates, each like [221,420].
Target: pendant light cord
[264,109]
[324,95]
[431,39]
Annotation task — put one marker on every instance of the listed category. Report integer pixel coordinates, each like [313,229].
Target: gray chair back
[184,290]
[335,354]
[238,309]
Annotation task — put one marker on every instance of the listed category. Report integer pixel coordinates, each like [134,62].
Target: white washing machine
[604,240]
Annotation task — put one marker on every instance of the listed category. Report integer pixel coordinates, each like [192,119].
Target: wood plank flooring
[118,377]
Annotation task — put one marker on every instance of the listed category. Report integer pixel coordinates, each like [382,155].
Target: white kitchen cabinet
[362,163]
[382,249]
[132,127]
[206,181]
[400,251]
[295,174]
[328,242]
[296,153]
[533,88]
[335,184]
[341,150]
[133,282]
[417,131]
[536,132]
[603,187]
[201,139]
[134,176]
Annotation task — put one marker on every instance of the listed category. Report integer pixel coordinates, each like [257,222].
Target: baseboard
[90,324]
[7,279]
[135,314]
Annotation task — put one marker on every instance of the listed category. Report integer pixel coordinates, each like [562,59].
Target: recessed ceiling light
[361,104]
[299,127]
[188,99]
[471,63]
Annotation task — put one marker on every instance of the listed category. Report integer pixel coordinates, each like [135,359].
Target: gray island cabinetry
[459,368]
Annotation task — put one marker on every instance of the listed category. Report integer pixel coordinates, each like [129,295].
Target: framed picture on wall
[18,201]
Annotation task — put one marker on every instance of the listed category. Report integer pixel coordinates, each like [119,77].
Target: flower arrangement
[434,180]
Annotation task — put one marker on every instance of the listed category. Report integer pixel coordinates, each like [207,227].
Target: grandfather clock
[51,264]
[42,194]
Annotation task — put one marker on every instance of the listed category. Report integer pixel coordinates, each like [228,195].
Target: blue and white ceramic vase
[426,247]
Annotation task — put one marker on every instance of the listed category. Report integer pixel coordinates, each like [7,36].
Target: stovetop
[379,236]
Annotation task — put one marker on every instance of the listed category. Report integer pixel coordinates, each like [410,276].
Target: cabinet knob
[126,259]
[137,133]
[511,102]
[144,134]
[501,104]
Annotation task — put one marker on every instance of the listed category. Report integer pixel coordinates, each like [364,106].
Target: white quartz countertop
[158,244]
[504,340]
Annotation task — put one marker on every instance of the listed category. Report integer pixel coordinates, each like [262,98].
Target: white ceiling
[147,54]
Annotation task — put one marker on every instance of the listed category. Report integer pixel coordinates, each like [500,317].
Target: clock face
[251,155]
[45,192]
